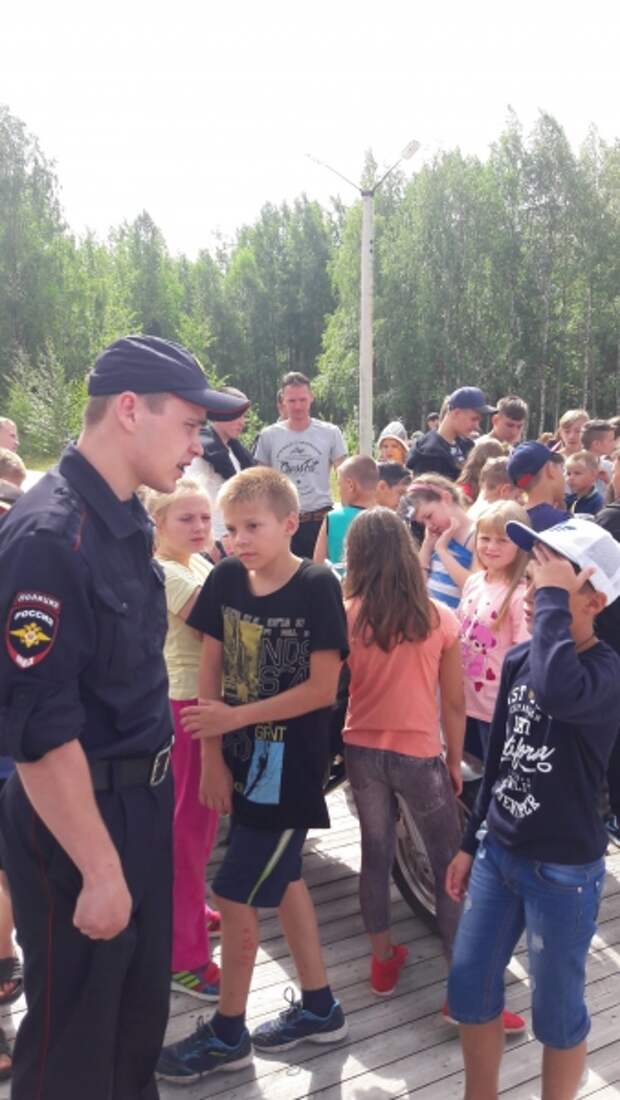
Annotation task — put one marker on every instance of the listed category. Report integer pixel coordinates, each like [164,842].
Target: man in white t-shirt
[222,457]
[305,449]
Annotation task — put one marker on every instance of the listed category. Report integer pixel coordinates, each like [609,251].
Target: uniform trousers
[96,1010]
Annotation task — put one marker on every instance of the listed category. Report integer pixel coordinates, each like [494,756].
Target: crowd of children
[447,623]
[463,595]
[480,632]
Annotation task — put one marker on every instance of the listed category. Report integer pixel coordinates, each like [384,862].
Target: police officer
[86,820]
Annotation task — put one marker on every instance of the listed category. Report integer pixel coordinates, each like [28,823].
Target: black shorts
[259,865]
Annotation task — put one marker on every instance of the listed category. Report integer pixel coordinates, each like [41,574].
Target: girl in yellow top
[183,525]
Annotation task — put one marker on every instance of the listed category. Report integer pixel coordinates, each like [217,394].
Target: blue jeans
[557,906]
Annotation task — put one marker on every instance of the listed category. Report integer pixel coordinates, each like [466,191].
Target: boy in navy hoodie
[536,832]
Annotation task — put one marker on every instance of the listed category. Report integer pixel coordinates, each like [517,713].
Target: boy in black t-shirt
[539,863]
[274,639]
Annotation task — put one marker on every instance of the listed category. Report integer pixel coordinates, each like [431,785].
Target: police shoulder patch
[31,627]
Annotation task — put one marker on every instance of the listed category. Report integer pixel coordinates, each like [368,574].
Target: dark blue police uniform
[85,622]
[85,619]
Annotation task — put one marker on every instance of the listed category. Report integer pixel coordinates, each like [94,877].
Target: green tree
[45,403]
[31,229]
[147,275]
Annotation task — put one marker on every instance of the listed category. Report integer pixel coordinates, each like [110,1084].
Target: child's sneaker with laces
[297,1025]
[513,1023]
[384,973]
[201,1053]
[204,982]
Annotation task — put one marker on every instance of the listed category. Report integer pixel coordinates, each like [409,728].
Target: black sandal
[5,1072]
[11,970]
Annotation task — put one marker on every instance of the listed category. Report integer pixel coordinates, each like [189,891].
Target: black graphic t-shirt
[553,730]
[278,767]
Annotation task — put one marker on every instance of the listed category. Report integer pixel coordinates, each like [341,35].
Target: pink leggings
[195,831]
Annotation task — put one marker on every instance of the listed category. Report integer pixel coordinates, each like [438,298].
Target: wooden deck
[398,1046]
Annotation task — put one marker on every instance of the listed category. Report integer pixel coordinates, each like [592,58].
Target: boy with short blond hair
[582,471]
[599,438]
[358,478]
[274,639]
[495,485]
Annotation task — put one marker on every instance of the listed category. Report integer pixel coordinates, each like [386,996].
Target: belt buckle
[159,770]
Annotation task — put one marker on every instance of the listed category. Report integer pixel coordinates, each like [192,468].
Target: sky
[200,112]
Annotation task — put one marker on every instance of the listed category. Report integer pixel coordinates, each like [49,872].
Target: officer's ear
[126,408]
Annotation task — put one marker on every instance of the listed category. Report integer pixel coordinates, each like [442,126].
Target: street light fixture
[367,294]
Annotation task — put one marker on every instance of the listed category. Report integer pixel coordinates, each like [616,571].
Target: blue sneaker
[202,1053]
[296,1025]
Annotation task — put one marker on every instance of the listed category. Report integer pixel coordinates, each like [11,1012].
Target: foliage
[46,425]
[502,273]
[253,425]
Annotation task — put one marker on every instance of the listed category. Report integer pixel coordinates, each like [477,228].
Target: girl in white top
[183,527]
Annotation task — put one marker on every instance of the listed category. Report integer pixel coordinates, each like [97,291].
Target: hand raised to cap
[549,570]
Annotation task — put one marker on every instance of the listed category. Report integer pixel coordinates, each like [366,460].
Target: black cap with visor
[150,364]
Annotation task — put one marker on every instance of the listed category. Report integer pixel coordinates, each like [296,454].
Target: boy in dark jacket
[444,450]
[536,831]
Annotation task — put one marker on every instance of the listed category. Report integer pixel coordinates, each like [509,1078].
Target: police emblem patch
[31,627]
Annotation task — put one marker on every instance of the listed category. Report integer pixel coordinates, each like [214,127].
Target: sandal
[5,1050]
[11,972]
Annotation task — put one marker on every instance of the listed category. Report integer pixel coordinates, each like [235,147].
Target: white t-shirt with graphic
[306,457]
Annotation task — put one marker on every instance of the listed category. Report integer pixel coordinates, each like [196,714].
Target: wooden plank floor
[398,1046]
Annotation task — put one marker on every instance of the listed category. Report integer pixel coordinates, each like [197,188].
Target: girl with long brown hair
[406,677]
[404,652]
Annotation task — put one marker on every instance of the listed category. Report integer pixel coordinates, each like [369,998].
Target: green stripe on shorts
[271,864]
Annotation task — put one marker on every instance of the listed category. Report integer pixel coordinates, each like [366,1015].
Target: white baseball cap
[581,541]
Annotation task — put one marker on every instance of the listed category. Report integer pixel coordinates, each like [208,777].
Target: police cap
[150,364]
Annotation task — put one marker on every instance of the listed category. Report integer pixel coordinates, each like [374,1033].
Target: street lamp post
[366,352]
[366,320]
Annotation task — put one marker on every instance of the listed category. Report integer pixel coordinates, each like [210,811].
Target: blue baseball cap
[150,364]
[527,460]
[470,397]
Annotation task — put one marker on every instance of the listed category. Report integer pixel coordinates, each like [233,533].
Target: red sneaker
[513,1024]
[214,921]
[384,972]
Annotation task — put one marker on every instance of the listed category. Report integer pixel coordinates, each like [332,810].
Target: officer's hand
[103,907]
[216,785]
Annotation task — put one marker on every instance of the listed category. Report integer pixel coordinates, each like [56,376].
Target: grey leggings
[376,776]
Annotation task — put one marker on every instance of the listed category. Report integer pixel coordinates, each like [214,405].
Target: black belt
[315,517]
[132,771]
